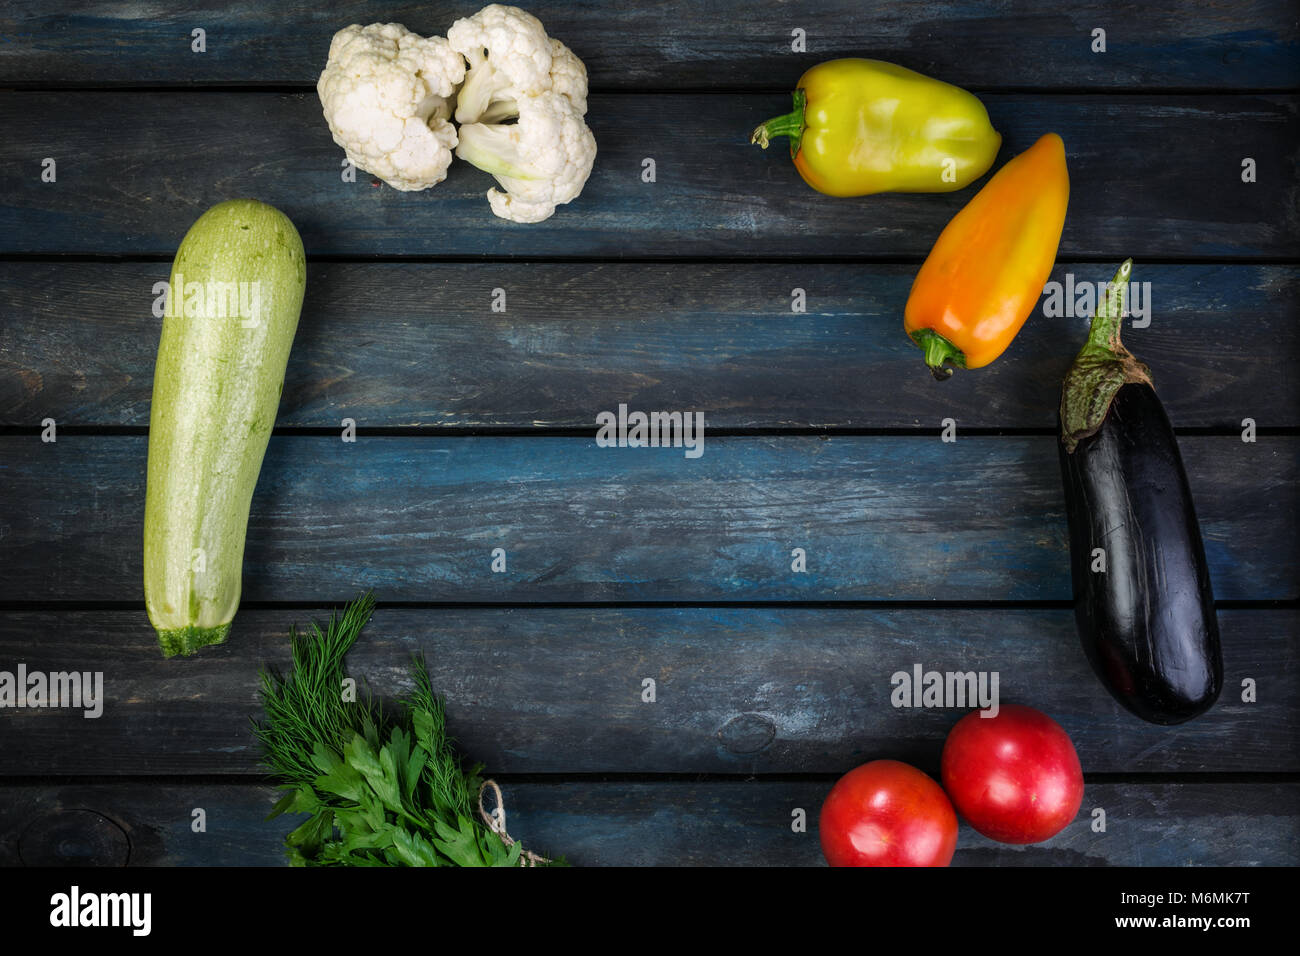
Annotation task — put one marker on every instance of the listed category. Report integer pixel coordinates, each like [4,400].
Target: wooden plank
[880,518]
[649,824]
[738,690]
[1155,176]
[391,344]
[680,44]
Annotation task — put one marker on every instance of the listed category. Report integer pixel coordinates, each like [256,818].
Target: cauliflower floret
[508,52]
[569,75]
[386,93]
[541,161]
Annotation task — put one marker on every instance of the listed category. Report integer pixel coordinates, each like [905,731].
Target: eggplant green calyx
[940,354]
[792,124]
[1102,367]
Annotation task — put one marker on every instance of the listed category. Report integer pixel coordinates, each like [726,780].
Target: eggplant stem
[1108,320]
[1102,367]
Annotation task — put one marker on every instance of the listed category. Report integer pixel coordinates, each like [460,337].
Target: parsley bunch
[381,790]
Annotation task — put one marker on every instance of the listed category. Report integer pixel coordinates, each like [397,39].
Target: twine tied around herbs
[495,820]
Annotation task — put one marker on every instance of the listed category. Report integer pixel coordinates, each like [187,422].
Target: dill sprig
[378,791]
[306,707]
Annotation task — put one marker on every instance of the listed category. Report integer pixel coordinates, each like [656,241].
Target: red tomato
[1014,777]
[887,813]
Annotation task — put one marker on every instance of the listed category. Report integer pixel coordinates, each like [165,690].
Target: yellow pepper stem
[791,124]
[939,353]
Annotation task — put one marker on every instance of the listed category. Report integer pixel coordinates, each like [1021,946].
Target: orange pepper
[987,270]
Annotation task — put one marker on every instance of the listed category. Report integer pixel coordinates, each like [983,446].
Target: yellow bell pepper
[987,270]
[865,126]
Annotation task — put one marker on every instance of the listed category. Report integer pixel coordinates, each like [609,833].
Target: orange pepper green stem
[864,126]
[987,270]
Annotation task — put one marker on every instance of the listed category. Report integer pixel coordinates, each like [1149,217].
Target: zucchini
[1147,620]
[234,298]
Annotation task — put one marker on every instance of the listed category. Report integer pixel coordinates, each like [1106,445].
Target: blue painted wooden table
[476,428]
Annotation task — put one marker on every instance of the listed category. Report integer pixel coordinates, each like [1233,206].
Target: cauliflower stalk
[386,93]
[388,97]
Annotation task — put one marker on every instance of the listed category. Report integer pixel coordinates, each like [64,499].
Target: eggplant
[1146,617]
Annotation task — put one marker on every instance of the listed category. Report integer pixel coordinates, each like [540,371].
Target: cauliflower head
[541,161]
[386,94]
